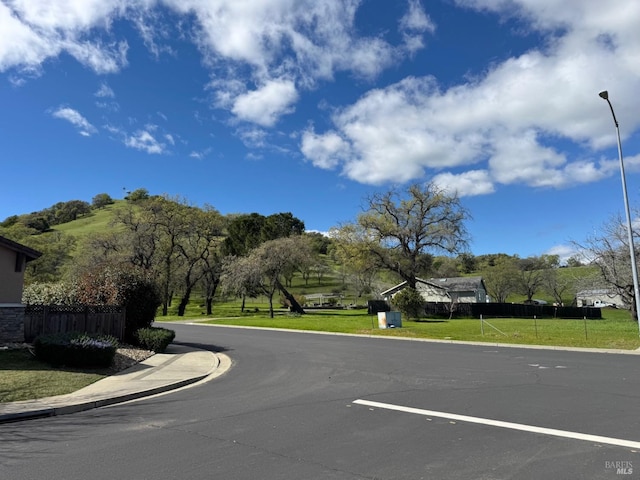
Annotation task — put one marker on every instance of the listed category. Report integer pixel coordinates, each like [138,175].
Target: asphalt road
[303,406]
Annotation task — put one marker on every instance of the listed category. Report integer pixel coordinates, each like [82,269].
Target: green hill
[97,221]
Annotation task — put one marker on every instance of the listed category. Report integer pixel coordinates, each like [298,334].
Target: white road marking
[497,423]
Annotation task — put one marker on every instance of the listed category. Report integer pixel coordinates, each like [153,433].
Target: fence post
[481,325]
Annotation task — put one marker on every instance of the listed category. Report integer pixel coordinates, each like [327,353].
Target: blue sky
[307,106]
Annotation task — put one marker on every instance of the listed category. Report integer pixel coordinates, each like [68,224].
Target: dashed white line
[497,423]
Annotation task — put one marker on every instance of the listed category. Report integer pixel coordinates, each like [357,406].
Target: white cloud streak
[76,119]
[144,140]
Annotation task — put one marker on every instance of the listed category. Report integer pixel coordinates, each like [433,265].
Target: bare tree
[609,250]
[501,279]
[263,268]
[195,249]
[400,228]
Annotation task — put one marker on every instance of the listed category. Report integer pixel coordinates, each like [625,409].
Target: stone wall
[11,323]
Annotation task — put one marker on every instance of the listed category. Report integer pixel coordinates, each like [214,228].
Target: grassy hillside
[97,221]
[331,282]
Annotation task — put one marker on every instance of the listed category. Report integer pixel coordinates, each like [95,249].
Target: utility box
[389,320]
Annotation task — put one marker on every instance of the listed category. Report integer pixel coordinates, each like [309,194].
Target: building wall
[588,297]
[10,281]
[11,323]
[465,297]
[432,294]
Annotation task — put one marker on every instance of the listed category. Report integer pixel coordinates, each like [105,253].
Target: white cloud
[467,184]
[564,252]
[76,119]
[266,104]
[413,24]
[325,151]
[201,154]
[34,30]
[145,141]
[253,137]
[506,123]
[311,39]
[303,41]
[105,91]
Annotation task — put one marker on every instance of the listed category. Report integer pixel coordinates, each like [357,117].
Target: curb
[221,366]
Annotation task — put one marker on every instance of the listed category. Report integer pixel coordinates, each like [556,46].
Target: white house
[459,289]
[587,298]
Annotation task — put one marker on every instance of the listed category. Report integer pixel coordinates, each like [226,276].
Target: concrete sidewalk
[179,366]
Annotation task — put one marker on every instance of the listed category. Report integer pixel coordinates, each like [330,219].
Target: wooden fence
[45,319]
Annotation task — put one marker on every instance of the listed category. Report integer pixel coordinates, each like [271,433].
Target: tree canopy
[403,229]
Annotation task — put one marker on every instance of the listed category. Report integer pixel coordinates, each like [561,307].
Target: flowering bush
[60,293]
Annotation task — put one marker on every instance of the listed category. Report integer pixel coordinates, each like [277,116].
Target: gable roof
[29,253]
[459,284]
[452,284]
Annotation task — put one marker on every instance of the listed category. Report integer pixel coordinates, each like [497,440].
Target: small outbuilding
[595,296]
[13,260]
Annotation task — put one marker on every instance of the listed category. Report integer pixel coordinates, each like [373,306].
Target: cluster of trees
[401,235]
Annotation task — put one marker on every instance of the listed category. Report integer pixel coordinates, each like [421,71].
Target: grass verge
[23,377]
[614,331]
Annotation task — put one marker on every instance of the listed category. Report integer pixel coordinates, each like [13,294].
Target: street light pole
[634,269]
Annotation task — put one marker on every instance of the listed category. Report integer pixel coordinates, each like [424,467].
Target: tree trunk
[295,306]
[210,294]
[184,301]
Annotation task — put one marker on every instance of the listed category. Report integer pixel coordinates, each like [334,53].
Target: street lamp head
[604,94]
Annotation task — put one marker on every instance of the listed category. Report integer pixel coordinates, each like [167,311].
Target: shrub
[122,285]
[76,349]
[375,306]
[409,302]
[154,338]
[50,294]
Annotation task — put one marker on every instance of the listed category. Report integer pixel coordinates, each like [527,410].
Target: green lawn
[22,377]
[615,330]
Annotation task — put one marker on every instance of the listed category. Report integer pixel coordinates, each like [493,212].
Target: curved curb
[222,364]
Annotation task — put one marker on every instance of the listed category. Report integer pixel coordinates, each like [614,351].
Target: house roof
[28,252]
[597,291]
[459,284]
[452,284]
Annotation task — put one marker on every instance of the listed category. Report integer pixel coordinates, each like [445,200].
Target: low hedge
[76,349]
[154,338]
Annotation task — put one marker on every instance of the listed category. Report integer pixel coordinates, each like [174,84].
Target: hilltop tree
[246,232]
[280,225]
[70,211]
[138,195]
[101,200]
[243,234]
